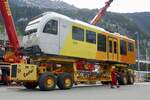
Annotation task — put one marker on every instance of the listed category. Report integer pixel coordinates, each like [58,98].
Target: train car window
[90,36]
[77,33]
[110,46]
[130,47]
[115,47]
[101,42]
[51,27]
[123,47]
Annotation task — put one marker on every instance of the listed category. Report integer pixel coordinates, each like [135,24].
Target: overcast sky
[122,6]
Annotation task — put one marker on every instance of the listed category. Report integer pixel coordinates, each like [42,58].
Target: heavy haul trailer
[64,54]
[65,51]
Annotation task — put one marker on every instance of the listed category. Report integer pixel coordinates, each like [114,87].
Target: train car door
[115,48]
[112,49]
[50,39]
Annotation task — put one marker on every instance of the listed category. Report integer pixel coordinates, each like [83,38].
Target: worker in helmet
[114,76]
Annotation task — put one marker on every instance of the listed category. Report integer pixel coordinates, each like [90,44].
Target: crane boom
[101,13]
[9,24]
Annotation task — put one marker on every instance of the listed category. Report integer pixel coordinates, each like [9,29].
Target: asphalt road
[140,91]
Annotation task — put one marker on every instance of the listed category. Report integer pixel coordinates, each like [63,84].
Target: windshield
[31,31]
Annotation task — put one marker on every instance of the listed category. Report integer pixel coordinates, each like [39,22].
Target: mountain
[126,24]
[47,4]
[142,20]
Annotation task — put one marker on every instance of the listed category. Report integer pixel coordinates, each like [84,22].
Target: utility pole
[147,63]
[138,49]
[138,53]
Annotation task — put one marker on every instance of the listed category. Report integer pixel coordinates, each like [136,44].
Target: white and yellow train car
[55,34]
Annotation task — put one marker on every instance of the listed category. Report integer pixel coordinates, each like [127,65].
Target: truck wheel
[47,82]
[65,81]
[30,85]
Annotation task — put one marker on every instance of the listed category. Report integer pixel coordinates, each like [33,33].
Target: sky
[122,6]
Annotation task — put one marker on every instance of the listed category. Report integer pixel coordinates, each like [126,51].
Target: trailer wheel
[122,80]
[105,82]
[65,81]
[47,82]
[30,85]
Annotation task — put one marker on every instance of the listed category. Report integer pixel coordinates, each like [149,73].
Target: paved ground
[139,91]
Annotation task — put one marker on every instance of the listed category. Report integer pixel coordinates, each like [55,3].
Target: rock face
[42,4]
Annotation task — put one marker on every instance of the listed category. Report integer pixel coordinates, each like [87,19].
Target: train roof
[54,14]
[123,37]
[73,20]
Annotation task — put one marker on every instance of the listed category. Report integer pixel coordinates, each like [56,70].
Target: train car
[55,34]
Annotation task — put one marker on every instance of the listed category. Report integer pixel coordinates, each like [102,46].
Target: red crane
[101,13]
[11,32]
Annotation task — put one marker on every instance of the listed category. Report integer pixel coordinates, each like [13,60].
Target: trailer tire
[30,85]
[105,82]
[64,81]
[47,81]
[122,80]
